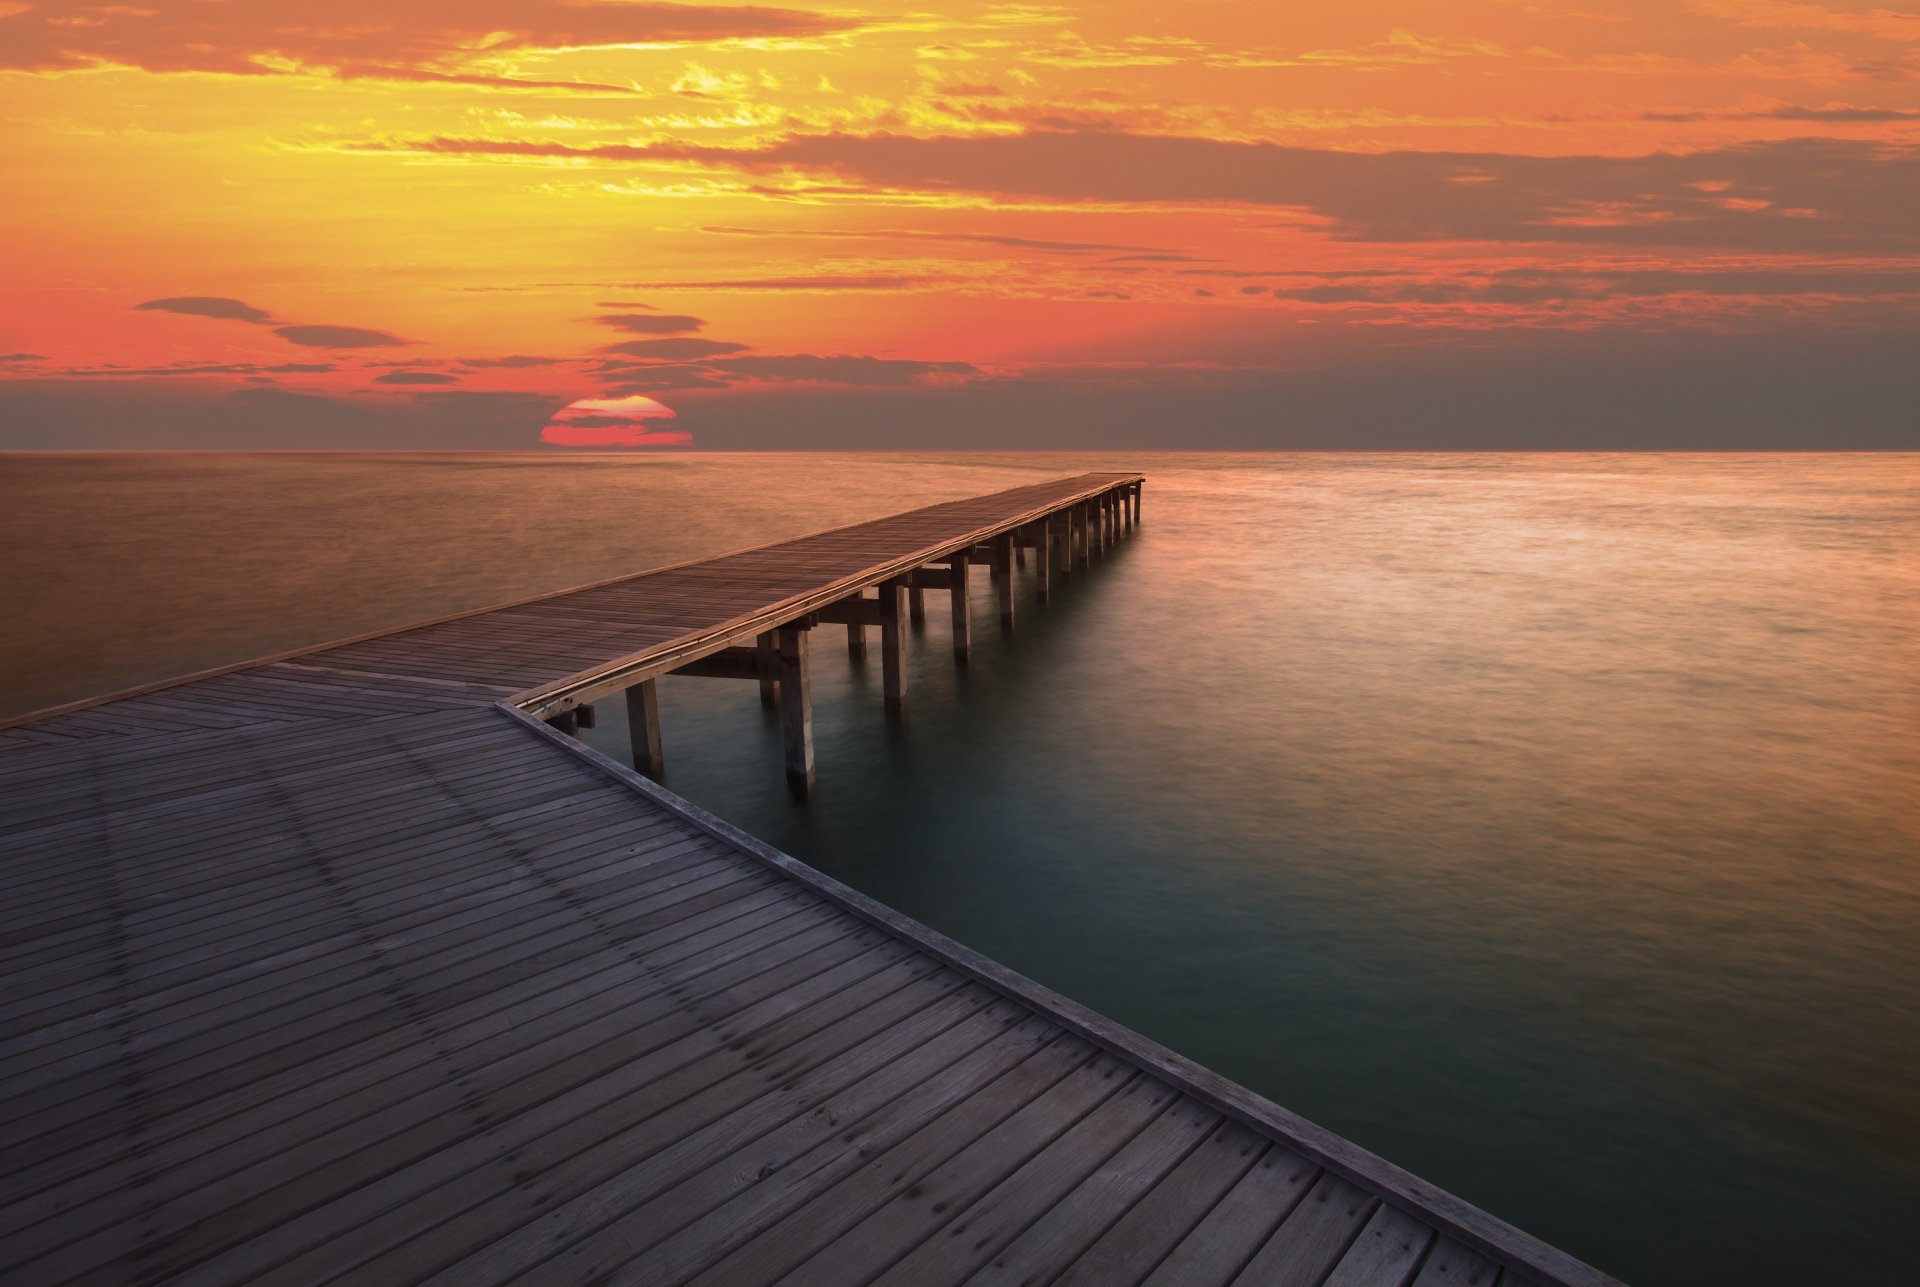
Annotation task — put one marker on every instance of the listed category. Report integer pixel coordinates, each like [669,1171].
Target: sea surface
[1549,824]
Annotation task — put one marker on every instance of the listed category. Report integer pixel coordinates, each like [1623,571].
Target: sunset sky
[490,223]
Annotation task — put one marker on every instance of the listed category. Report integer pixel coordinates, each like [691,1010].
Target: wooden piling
[796,709]
[893,652]
[1083,557]
[769,687]
[917,605]
[961,565]
[856,641]
[1004,548]
[1043,560]
[643,723]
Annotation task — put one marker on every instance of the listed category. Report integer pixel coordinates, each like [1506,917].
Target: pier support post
[1003,550]
[1136,504]
[1084,559]
[893,651]
[769,688]
[1043,560]
[917,605]
[643,722]
[961,565]
[796,710]
[856,641]
[1062,525]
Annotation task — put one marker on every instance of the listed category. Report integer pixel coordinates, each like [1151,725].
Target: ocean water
[1549,824]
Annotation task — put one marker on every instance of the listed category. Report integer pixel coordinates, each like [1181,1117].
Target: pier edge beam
[796,709]
[1043,560]
[961,565]
[643,723]
[893,651]
[1003,549]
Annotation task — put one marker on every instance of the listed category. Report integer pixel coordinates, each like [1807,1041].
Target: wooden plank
[1386,1253]
[283,1183]
[925,1189]
[1451,1265]
[1222,1241]
[1313,1237]
[1060,1236]
[959,1116]
[1141,1237]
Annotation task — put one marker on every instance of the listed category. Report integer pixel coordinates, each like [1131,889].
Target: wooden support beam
[1003,578]
[855,609]
[917,600]
[856,641]
[932,578]
[643,725]
[1136,504]
[1019,551]
[893,649]
[1043,560]
[585,716]
[567,722]
[733,663]
[796,709]
[1061,526]
[1085,557]
[961,565]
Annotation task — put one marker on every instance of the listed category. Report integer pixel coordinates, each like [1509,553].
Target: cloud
[675,350]
[415,377]
[917,234]
[1803,194]
[512,361]
[651,323]
[229,310]
[459,41]
[338,337]
[612,422]
[1839,113]
[844,368]
[1886,24]
[815,282]
[1522,286]
[12,358]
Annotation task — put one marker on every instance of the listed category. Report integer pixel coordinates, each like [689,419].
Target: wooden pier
[351,966]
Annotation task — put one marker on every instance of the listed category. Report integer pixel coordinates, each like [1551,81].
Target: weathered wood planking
[342,967]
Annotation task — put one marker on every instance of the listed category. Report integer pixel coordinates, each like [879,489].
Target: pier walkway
[351,965]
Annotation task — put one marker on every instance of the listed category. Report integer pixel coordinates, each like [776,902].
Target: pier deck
[351,965]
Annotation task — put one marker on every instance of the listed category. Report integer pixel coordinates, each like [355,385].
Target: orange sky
[353,224]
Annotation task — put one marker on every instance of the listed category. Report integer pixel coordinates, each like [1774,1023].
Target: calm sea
[1549,824]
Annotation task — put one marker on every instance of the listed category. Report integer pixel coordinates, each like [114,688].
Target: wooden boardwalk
[345,966]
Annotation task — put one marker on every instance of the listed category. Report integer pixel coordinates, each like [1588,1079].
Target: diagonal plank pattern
[346,972]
